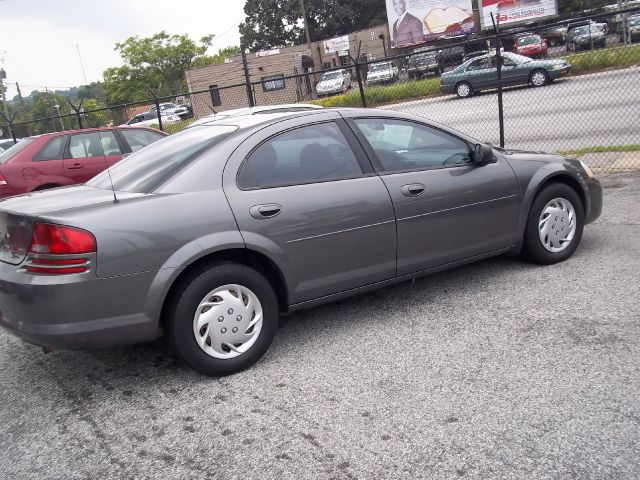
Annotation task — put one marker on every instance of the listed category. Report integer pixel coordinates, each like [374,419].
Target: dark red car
[533,46]
[66,158]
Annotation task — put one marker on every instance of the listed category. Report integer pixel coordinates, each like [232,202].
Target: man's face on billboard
[399,6]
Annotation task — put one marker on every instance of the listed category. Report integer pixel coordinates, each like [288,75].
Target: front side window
[401,145]
[274,82]
[315,153]
[85,145]
[52,150]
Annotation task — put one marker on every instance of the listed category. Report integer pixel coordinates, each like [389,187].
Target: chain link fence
[568,87]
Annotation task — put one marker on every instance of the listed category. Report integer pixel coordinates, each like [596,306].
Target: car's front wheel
[223,319]
[464,90]
[539,78]
[554,226]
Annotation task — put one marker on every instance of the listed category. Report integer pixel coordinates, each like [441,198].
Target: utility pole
[81,64]
[306,23]
[23,109]
[3,77]
[625,17]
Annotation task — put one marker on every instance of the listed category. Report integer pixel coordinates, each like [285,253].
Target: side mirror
[483,154]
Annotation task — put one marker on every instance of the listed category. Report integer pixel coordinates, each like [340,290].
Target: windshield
[13,151]
[528,41]
[150,167]
[331,76]
[634,22]
[380,67]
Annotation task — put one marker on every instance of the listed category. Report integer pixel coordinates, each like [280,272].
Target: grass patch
[382,94]
[174,127]
[614,57]
[634,147]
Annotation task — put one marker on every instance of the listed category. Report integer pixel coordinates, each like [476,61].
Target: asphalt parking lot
[501,369]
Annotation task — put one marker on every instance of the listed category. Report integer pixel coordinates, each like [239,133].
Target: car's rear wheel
[539,78]
[554,226]
[223,319]
[464,90]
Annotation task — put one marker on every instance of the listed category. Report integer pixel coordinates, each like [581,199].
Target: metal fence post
[496,26]
[158,113]
[247,80]
[356,62]
[10,123]
[78,114]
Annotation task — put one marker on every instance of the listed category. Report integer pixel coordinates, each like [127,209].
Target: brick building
[272,72]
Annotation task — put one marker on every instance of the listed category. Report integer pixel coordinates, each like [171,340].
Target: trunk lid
[18,214]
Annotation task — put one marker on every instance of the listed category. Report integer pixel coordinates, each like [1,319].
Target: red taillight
[3,181]
[48,240]
[60,240]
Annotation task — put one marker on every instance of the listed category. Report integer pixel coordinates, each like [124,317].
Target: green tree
[568,7]
[43,105]
[278,23]
[156,62]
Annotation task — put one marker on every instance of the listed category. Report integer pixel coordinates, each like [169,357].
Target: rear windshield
[528,40]
[17,148]
[148,168]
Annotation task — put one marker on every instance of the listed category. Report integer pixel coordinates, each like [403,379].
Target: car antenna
[113,190]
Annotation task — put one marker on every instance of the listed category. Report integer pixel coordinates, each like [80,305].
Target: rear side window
[138,139]
[52,150]
[315,153]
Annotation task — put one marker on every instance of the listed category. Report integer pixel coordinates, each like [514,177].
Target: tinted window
[85,145]
[139,138]
[52,150]
[314,153]
[401,145]
[110,144]
[13,151]
[144,171]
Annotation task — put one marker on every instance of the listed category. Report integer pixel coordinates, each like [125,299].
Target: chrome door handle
[75,166]
[262,212]
[413,190]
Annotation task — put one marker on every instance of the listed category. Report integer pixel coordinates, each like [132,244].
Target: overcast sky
[38,37]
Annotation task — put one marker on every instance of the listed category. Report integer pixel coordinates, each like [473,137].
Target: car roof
[92,129]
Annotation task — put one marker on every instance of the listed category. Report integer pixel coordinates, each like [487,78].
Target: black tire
[460,86]
[533,248]
[536,72]
[180,315]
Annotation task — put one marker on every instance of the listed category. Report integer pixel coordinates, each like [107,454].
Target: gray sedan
[208,235]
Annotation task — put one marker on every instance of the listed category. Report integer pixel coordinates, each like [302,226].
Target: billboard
[511,12]
[412,22]
[336,44]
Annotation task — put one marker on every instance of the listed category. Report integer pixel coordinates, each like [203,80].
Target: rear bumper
[70,312]
[594,190]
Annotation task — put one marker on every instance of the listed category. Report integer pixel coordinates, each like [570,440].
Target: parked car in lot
[8,143]
[533,46]
[482,73]
[586,36]
[183,111]
[555,35]
[66,158]
[336,81]
[218,229]
[147,120]
[383,72]
[257,110]
[634,30]
[455,55]
[422,61]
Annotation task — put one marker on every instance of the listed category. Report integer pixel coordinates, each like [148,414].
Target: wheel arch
[244,256]
[541,180]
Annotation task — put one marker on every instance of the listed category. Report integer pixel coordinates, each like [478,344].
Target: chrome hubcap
[227,321]
[464,90]
[557,225]
[538,78]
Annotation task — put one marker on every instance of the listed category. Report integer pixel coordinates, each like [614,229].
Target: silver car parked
[331,83]
[207,235]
